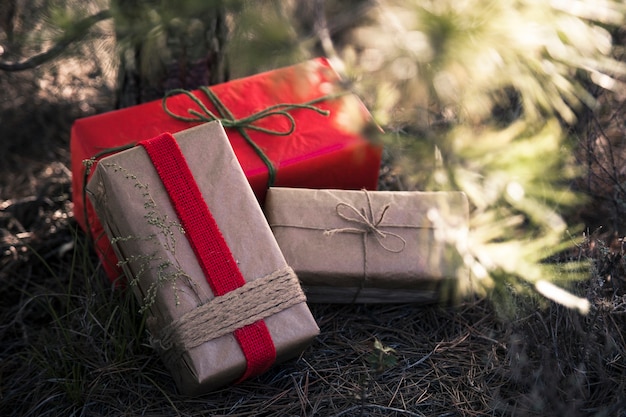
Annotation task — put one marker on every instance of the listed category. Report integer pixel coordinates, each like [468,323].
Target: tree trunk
[166,49]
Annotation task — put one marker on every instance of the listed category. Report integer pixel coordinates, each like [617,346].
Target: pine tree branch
[78,32]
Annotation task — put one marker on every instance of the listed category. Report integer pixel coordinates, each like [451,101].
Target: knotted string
[228,120]
[370,226]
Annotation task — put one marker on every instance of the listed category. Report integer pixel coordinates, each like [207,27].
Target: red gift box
[323,150]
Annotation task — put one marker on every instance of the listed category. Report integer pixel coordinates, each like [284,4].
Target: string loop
[369,224]
[228,120]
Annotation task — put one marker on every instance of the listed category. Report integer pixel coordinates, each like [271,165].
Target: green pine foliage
[474,96]
[495,86]
[479,96]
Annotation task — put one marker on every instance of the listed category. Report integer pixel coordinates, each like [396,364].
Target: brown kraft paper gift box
[371,246]
[139,218]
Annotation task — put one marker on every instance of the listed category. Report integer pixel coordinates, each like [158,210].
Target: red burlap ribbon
[213,254]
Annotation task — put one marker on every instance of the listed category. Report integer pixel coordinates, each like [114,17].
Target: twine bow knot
[369,224]
[228,120]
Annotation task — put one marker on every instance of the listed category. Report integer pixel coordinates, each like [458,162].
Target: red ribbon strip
[217,262]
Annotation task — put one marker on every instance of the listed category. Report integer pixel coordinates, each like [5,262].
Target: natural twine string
[228,120]
[370,226]
[254,301]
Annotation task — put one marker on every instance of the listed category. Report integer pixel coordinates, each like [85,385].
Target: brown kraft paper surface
[126,188]
[408,262]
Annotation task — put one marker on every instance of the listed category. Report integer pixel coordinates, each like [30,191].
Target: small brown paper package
[371,246]
[139,218]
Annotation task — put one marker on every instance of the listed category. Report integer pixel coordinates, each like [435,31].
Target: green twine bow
[227,119]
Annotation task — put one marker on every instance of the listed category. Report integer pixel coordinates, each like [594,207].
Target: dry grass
[72,345]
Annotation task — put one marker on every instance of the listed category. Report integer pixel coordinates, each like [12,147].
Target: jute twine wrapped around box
[222,315]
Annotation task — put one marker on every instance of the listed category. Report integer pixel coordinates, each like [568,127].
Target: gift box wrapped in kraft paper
[292,127]
[371,246]
[221,301]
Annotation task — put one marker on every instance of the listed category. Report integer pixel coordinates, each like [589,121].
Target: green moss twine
[228,120]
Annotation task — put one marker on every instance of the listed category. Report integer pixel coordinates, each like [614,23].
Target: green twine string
[228,120]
